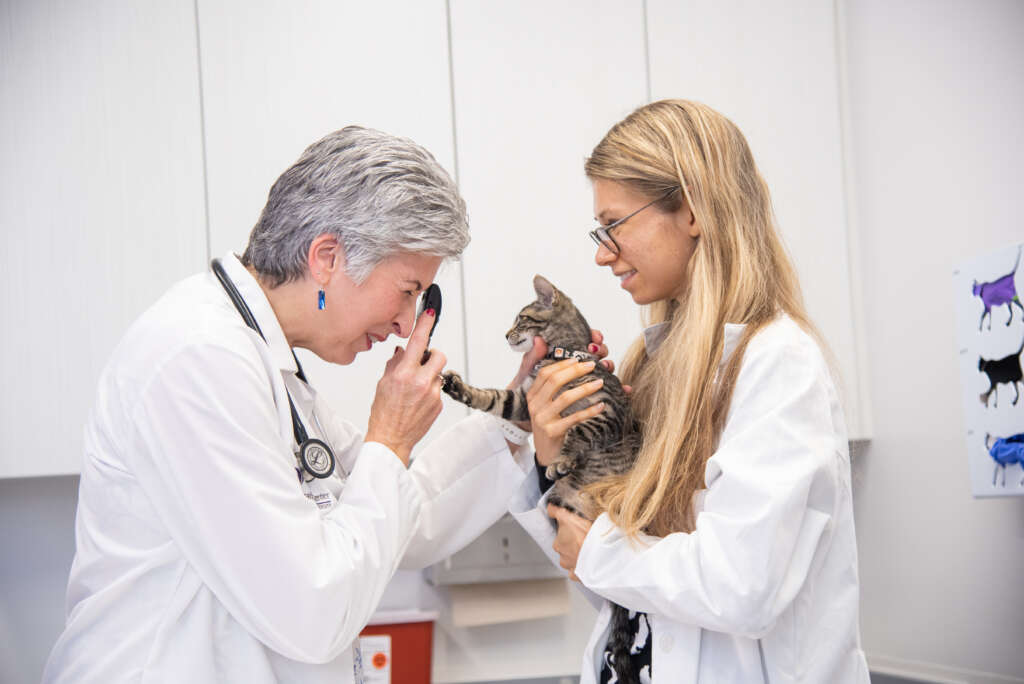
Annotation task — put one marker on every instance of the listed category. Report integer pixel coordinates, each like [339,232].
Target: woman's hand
[408,398]
[572,530]
[540,350]
[551,440]
[546,405]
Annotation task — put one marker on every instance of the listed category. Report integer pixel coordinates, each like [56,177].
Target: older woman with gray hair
[230,526]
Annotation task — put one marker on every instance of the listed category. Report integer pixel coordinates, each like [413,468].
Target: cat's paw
[452,385]
[556,470]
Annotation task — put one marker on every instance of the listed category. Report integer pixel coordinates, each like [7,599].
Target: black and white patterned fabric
[639,652]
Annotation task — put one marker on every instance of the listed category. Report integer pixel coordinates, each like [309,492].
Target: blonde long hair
[739,273]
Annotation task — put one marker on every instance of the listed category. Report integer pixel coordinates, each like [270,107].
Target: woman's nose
[604,256]
[405,321]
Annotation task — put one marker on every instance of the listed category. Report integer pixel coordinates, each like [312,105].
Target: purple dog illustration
[998,292]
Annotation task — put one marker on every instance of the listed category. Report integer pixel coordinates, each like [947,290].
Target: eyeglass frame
[602,234]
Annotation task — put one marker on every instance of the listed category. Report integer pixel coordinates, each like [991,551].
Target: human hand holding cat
[598,349]
[530,359]
[408,397]
[546,405]
[540,348]
[572,530]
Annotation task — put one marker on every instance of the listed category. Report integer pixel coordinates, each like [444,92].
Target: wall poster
[990,341]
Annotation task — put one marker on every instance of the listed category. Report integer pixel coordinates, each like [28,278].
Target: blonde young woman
[732,540]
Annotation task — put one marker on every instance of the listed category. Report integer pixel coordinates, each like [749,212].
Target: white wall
[936,102]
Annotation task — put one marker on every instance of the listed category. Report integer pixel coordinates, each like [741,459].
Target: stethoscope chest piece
[316,458]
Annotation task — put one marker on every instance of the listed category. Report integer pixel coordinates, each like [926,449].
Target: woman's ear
[326,258]
[686,220]
[694,225]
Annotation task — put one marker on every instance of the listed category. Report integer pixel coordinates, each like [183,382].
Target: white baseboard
[935,674]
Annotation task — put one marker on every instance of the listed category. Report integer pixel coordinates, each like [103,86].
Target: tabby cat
[605,444]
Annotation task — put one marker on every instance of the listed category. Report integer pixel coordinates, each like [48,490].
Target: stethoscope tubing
[301,436]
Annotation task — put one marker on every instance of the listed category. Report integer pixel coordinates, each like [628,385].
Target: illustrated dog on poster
[1004,371]
[998,292]
[1005,452]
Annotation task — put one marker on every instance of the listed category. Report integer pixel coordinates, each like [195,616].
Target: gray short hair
[379,194]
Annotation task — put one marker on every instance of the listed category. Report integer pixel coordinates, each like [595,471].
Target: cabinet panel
[775,74]
[279,76]
[101,202]
[537,84]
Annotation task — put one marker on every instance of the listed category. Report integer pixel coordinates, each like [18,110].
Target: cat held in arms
[605,444]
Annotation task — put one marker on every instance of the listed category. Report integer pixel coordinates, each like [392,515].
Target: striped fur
[603,445]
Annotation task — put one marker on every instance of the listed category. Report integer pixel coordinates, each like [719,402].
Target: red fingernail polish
[429,312]
[593,348]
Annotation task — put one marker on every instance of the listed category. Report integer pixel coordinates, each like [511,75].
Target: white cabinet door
[280,75]
[537,84]
[101,202]
[774,72]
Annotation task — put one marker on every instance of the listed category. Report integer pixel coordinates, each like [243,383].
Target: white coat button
[666,643]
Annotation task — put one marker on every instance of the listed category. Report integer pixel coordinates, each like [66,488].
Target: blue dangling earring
[321,298]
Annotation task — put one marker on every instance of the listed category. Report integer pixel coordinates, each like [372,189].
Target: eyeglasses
[602,235]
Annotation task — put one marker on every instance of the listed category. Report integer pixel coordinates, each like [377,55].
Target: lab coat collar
[733,331]
[254,296]
[655,334]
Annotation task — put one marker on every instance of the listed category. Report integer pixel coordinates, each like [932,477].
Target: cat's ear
[545,291]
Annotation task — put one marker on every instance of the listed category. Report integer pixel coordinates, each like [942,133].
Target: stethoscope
[315,456]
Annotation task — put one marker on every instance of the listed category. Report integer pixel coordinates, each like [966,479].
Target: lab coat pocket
[677,650]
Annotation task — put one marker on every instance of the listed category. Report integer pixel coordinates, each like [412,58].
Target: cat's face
[530,322]
[534,318]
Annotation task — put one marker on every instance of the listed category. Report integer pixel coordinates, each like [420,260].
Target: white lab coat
[765,589]
[199,556]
